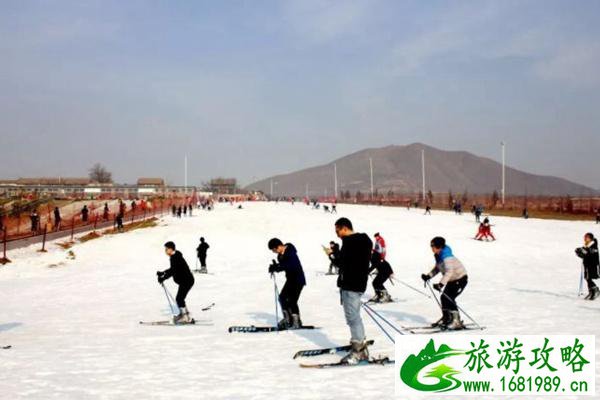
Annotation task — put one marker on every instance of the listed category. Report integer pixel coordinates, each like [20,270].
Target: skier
[190,209]
[201,251]
[525,213]
[185,210]
[597,216]
[589,254]
[180,271]
[288,261]
[57,219]
[105,212]
[352,281]
[384,272]
[478,212]
[333,252]
[453,282]
[379,250]
[174,210]
[485,230]
[334,209]
[179,211]
[428,210]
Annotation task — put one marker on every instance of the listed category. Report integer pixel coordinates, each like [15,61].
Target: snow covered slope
[75,333]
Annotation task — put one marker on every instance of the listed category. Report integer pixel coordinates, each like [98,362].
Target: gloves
[161,276]
[438,286]
[581,252]
[425,277]
[273,267]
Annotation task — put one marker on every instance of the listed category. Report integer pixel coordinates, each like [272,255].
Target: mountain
[398,168]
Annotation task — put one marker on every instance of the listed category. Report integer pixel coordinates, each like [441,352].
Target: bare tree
[100,174]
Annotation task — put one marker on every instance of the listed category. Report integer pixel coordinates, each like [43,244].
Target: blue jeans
[352,303]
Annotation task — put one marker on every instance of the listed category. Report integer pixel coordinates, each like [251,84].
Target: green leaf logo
[414,364]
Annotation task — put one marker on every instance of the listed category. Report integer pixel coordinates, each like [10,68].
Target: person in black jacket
[589,254]
[288,261]
[355,257]
[57,219]
[201,251]
[180,271]
[384,272]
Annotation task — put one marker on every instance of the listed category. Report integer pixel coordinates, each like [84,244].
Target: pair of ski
[259,329]
[6,347]
[170,322]
[428,329]
[337,350]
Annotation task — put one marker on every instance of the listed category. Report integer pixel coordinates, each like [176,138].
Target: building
[223,186]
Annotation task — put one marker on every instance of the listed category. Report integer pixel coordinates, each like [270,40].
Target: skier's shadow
[535,291]
[313,335]
[9,326]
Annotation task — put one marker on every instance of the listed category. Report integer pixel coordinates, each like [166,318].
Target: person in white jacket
[453,282]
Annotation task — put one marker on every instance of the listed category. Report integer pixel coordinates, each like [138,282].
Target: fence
[12,235]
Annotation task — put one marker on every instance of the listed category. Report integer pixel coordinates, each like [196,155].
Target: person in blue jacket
[288,261]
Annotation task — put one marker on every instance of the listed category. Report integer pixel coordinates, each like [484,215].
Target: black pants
[182,292]
[451,292]
[379,281]
[590,284]
[288,298]
[202,258]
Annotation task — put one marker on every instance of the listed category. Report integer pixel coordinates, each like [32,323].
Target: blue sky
[255,88]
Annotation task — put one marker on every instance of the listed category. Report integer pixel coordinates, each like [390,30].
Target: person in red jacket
[379,250]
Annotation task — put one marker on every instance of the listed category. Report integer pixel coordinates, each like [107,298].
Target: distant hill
[398,168]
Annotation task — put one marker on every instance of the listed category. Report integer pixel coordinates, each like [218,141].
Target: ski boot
[203,270]
[376,298]
[359,352]
[384,297]
[285,321]
[443,321]
[296,321]
[594,293]
[455,322]
[183,317]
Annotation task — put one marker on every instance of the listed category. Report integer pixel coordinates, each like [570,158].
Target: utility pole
[371,168]
[503,171]
[423,169]
[335,180]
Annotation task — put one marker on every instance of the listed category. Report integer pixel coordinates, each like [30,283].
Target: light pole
[371,168]
[503,170]
[335,180]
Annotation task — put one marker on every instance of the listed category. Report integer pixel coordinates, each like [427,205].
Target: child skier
[379,251]
[333,252]
[485,230]
[180,271]
[384,272]
[589,254]
[201,251]
[453,282]
[288,261]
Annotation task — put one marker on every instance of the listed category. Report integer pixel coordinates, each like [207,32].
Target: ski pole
[276,299]
[168,298]
[170,295]
[379,325]
[581,282]
[434,296]
[411,287]
[382,318]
